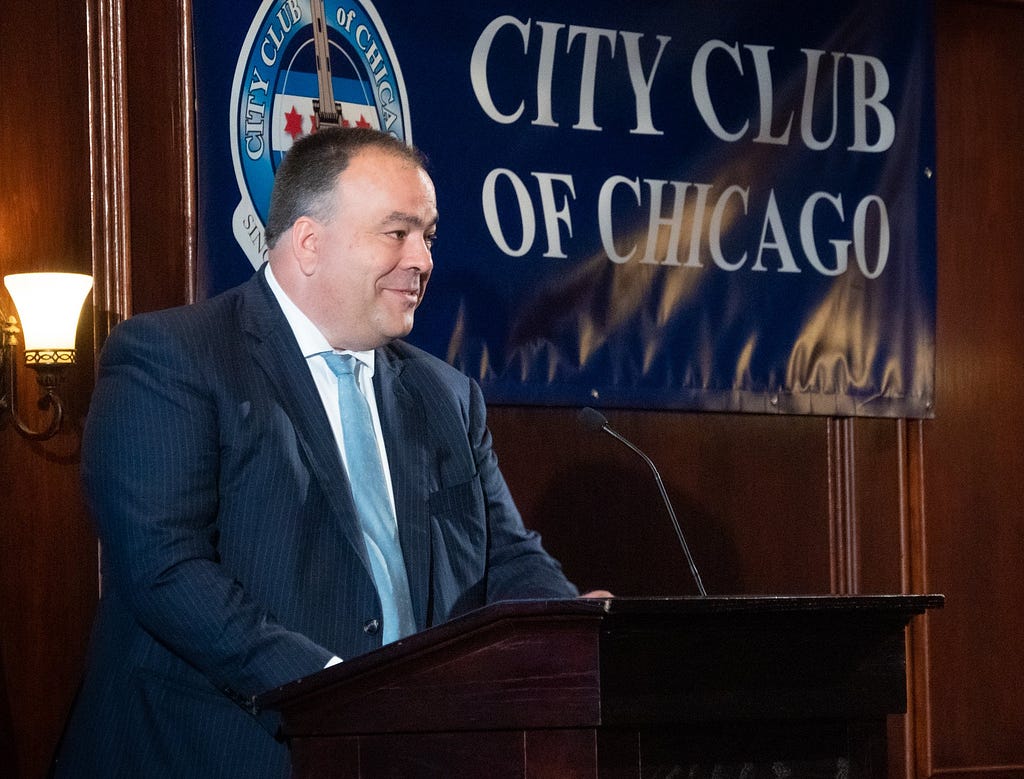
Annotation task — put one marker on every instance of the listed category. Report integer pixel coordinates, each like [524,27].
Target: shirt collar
[311,341]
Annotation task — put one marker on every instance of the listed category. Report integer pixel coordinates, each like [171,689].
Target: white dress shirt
[312,343]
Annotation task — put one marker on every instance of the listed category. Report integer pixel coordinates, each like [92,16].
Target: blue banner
[723,206]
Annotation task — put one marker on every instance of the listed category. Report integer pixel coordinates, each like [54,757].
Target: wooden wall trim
[842,520]
[1011,771]
[108,163]
[914,578]
[188,143]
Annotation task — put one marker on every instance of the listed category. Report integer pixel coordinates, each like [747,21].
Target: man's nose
[418,255]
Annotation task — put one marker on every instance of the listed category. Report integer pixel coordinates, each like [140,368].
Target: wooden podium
[664,687]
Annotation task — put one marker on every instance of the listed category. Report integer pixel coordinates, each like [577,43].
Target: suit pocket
[459,539]
[463,503]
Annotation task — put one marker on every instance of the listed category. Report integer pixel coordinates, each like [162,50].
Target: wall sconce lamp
[50,305]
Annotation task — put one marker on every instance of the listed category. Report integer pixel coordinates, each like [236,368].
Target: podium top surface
[610,620]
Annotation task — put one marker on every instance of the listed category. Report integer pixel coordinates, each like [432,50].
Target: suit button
[371,627]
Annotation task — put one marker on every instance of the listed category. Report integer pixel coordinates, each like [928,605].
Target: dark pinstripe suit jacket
[232,562]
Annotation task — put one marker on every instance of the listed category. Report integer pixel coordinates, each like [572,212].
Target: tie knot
[340,364]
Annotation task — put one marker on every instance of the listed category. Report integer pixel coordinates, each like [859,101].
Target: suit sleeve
[518,566]
[150,473]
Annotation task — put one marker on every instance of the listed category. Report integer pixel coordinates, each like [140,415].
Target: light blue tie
[376,517]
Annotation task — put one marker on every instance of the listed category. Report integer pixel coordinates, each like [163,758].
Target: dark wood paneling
[769,504]
[47,555]
[160,154]
[877,483]
[751,494]
[973,453]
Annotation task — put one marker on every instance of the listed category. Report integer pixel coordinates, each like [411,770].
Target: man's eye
[429,240]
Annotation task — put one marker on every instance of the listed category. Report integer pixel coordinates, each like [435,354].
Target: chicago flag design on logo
[305,64]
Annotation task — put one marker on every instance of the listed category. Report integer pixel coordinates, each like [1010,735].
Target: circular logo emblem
[306,64]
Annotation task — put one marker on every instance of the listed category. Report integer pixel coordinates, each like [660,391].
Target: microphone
[592,419]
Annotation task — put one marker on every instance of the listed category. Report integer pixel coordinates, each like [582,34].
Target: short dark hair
[304,182]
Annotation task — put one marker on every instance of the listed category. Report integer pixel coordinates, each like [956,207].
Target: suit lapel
[274,348]
[406,438]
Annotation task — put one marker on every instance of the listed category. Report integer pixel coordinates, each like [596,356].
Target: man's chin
[400,329]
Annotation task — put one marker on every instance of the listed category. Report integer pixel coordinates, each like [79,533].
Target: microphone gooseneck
[592,419]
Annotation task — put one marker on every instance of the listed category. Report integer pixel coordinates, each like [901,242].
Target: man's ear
[306,244]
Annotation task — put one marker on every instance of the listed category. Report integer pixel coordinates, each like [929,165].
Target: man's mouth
[412,293]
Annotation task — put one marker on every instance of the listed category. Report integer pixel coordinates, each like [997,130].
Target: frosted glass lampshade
[49,305]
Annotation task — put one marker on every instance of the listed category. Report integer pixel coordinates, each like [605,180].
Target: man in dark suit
[214,463]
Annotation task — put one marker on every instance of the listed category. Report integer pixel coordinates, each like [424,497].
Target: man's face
[374,254]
